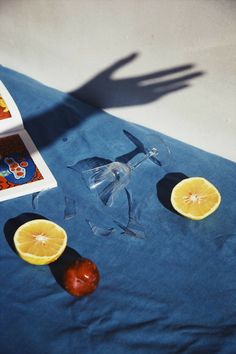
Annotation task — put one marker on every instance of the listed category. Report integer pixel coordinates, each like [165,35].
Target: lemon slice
[195,198]
[40,241]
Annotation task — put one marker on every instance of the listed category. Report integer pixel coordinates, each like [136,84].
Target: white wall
[65,44]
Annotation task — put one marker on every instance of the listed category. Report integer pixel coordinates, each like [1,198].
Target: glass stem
[152,152]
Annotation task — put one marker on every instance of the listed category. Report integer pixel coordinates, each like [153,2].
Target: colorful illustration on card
[4,111]
[16,164]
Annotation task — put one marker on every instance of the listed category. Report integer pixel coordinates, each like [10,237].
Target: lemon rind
[189,215]
[34,259]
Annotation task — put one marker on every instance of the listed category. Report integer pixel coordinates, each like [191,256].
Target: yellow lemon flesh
[40,241]
[195,198]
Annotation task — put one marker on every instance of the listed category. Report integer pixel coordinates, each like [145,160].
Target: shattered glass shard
[36,197]
[100,231]
[133,228]
[70,208]
[35,200]
[89,163]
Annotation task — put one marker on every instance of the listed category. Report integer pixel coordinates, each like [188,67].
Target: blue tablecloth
[173,291]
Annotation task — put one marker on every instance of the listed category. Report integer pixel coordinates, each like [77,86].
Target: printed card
[22,168]
[10,117]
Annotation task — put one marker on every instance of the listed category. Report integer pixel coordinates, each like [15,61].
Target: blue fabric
[173,292]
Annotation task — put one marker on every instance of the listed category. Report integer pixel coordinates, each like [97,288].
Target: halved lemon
[40,241]
[195,198]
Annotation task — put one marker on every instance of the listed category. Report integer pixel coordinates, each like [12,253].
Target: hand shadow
[105,92]
[165,186]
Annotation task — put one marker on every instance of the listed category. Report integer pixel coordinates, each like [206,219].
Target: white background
[66,44]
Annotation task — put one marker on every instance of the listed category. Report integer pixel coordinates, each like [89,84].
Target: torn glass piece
[107,180]
[131,207]
[110,179]
[70,208]
[132,230]
[152,141]
[133,223]
[35,200]
[133,227]
[155,160]
[136,227]
[100,231]
[88,164]
[36,197]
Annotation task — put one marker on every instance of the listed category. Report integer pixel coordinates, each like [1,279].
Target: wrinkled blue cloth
[171,292]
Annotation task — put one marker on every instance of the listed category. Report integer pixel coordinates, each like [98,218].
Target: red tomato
[81,277]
